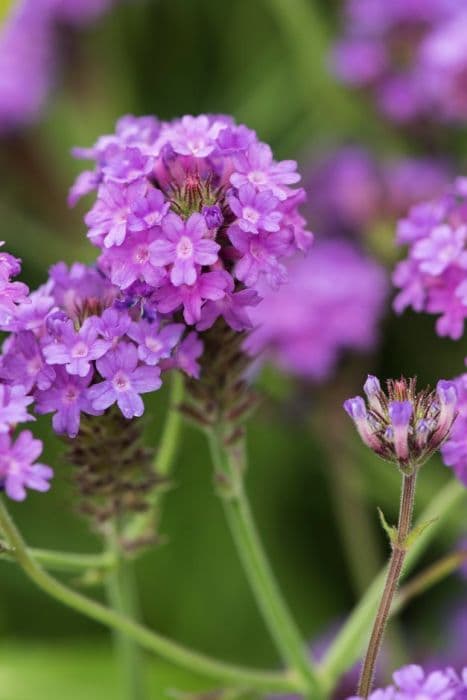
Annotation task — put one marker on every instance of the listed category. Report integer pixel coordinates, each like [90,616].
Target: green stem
[227,674]
[163,462]
[396,563]
[66,562]
[275,612]
[347,646]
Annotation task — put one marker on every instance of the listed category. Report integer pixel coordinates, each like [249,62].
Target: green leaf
[417,531]
[390,530]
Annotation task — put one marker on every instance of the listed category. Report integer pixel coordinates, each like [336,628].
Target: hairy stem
[347,646]
[122,597]
[229,675]
[399,550]
[275,612]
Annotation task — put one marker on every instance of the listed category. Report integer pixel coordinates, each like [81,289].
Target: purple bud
[447,396]
[213,216]
[400,413]
[372,388]
[356,408]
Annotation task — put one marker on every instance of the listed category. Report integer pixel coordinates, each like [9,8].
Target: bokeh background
[264,62]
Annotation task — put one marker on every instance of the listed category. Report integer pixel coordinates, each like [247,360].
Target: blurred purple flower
[18,467]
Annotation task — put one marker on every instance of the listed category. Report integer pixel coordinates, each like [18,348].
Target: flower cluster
[454,450]
[354,192]
[403,426]
[18,467]
[410,55]
[78,347]
[412,683]
[337,283]
[434,276]
[195,215]
[28,44]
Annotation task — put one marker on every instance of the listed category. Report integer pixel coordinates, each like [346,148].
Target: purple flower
[187,354]
[148,211]
[108,219]
[258,168]
[194,136]
[413,683]
[132,261]
[18,469]
[184,245]
[77,349]
[454,451]
[11,293]
[67,399]
[113,324]
[259,256]
[403,426]
[213,216]
[124,381]
[255,210]
[434,276]
[155,343]
[335,282]
[13,403]
[23,362]
[210,285]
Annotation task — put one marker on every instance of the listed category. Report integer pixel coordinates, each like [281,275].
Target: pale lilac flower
[133,261]
[13,406]
[154,342]
[454,450]
[67,399]
[255,210]
[259,256]
[23,362]
[194,136]
[11,293]
[184,245]
[113,324]
[148,211]
[413,683]
[124,381]
[18,467]
[209,285]
[108,219]
[77,349]
[258,168]
[187,354]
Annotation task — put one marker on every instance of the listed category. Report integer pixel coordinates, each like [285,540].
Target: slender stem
[163,462]
[429,577]
[122,597]
[227,674]
[275,612]
[346,648]
[66,562]
[399,550]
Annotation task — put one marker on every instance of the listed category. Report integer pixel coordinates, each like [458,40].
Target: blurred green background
[264,62]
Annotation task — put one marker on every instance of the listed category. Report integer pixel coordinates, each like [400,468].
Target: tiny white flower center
[153,344]
[184,248]
[257,177]
[250,214]
[79,350]
[195,145]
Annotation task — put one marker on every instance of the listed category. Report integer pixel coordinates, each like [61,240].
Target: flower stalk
[229,466]
[396,563]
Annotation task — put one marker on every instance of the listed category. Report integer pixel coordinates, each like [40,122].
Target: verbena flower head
[413,683]
[335,282]
[352,192]
[454,450]
[392,49]
[197,210]
[402,425]
[433,278]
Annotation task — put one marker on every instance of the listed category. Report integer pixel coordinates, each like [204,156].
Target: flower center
[70,394]
[34,365]
[153,344]
[141,255]
[79,350]
[195,145]
[250,214]
[257,177]
[184,248]
[121,382]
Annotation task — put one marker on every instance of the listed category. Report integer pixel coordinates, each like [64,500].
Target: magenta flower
[13,403]
[18,469]
[184,245]
[124,381]
[148,211]
[67,399]
[255,210]
[108,219]
[77,349]
[210,285]
[257,167]
[155,343]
